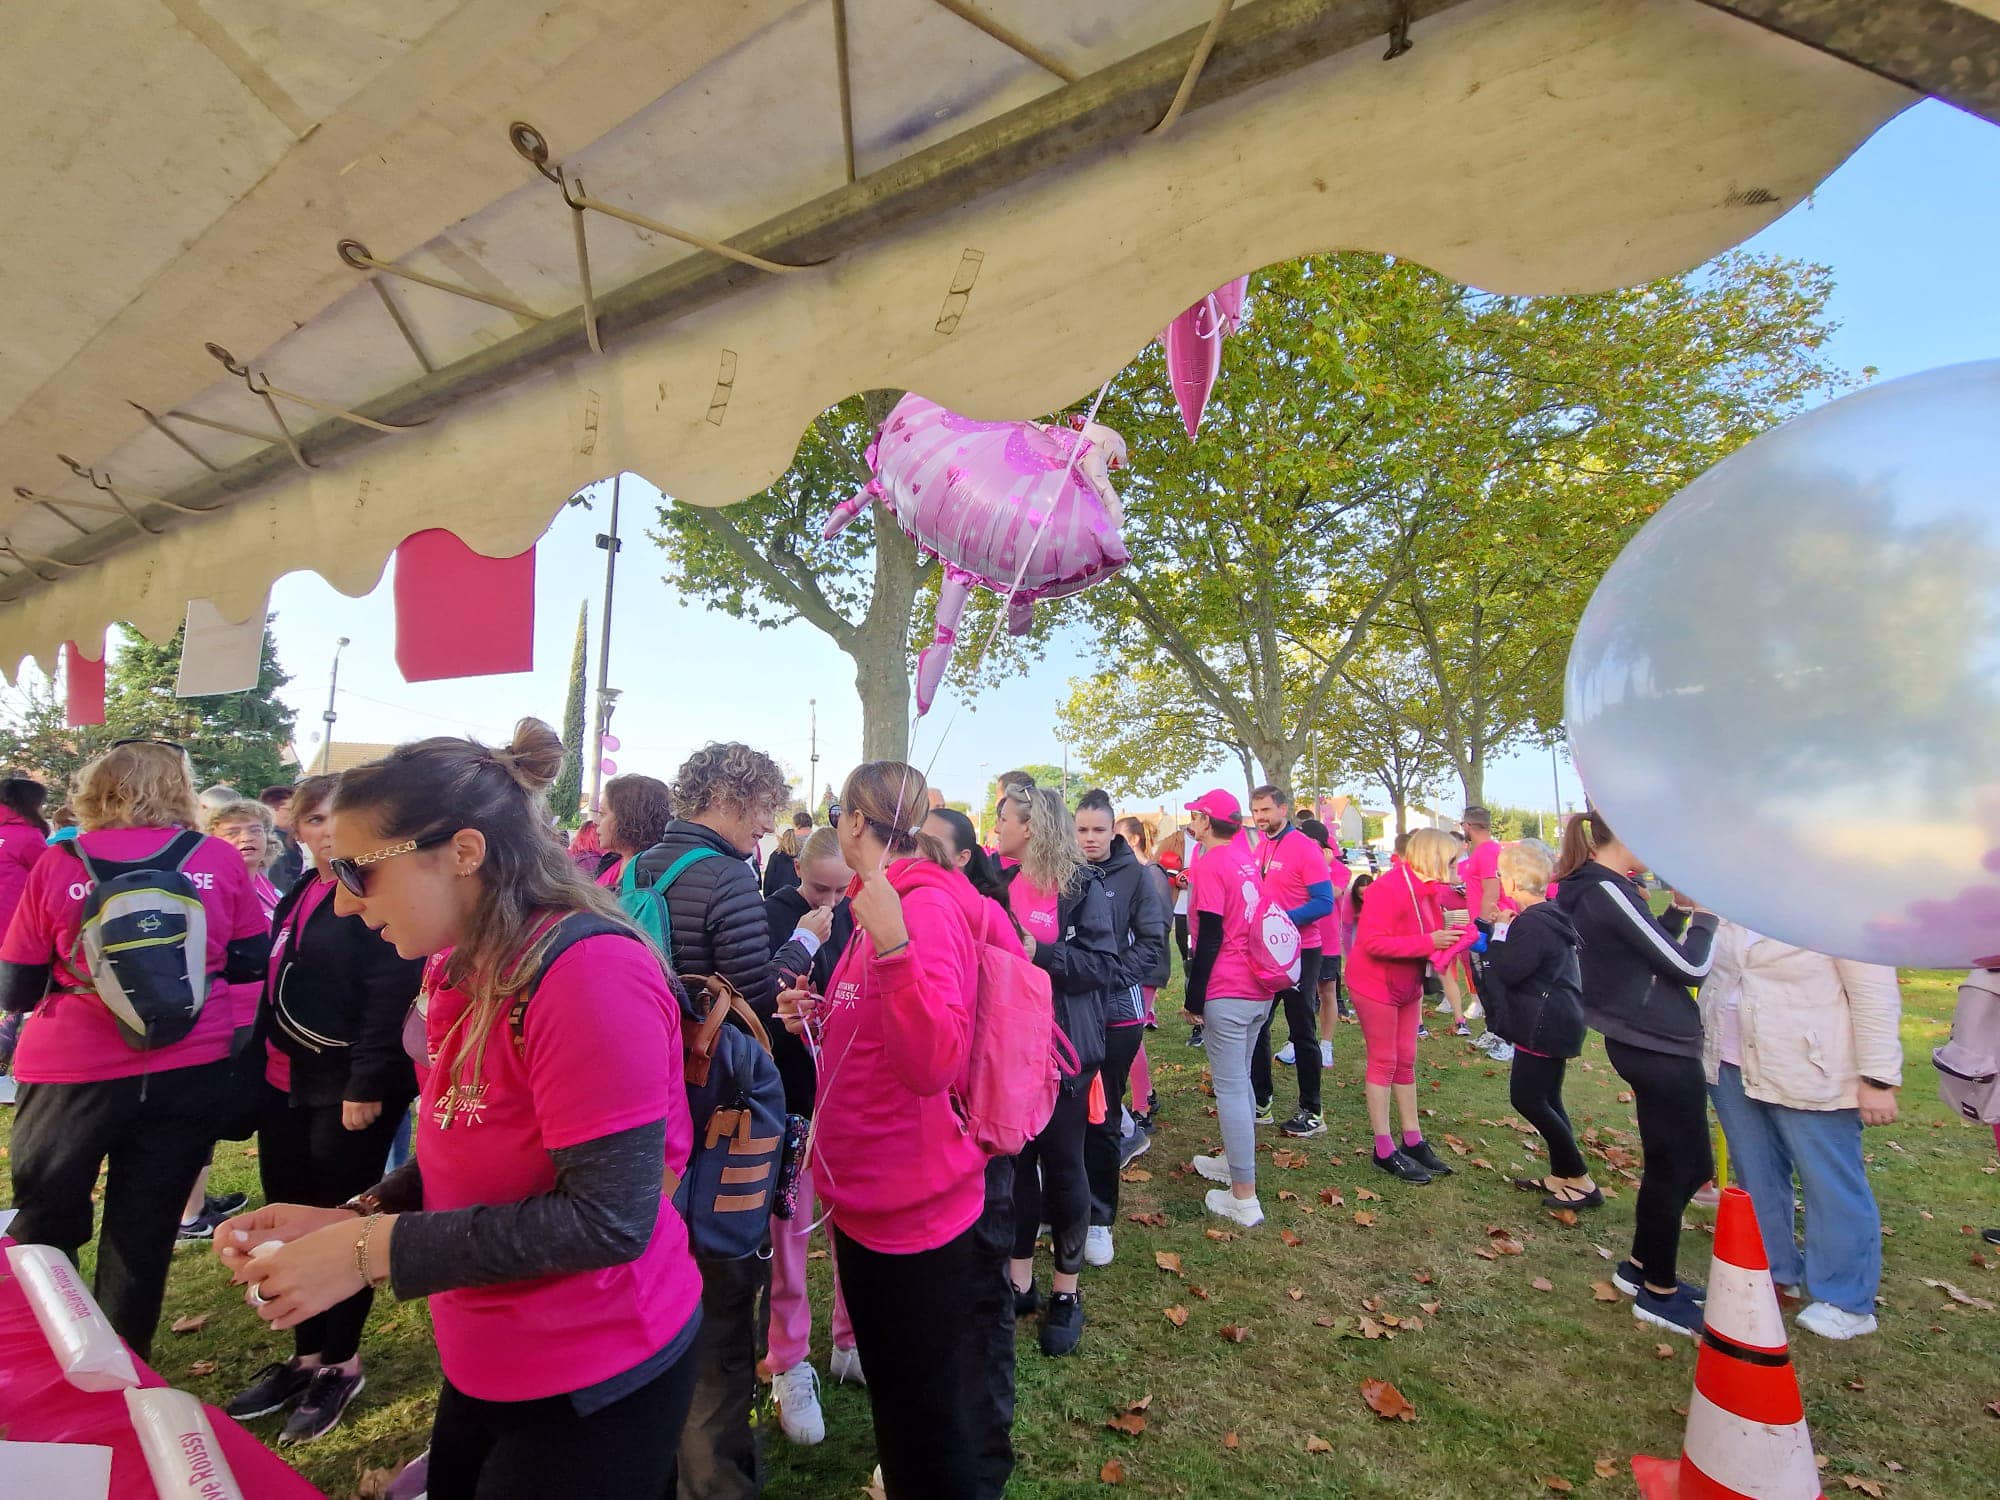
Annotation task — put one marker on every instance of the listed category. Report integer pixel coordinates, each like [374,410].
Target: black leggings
[1059,1192]
[1100,1144]
[533,1450]
[1536,1091]
[305,1155]
[1672,1098]
[1301,1008]
[1181,938]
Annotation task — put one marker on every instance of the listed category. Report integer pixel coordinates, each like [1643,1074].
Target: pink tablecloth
[37,1405]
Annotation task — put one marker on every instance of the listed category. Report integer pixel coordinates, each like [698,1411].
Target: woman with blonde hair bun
[535,1216]
[1400,934]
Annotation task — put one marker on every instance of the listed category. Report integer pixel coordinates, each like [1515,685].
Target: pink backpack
[1019,1055]
[1275,944]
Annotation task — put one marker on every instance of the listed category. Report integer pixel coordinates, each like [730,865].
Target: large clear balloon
[1785,694]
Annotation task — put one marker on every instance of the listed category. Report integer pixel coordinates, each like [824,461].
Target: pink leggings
[1142,1075]
[1389,1031]
[791,1315]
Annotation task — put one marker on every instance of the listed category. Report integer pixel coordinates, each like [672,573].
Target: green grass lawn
[1514,1386]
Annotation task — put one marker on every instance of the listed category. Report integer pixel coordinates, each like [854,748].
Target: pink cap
[1218,804]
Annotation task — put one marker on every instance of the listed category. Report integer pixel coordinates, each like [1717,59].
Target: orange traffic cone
[1746,1430]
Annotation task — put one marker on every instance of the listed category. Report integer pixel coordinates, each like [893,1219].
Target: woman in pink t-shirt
[637,810]
[248,827]
[536,1216]
[90,1094]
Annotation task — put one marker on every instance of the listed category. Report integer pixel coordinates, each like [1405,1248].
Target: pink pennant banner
[462,614]
[83,686]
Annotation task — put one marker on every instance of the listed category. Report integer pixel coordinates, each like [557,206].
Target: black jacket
[290,865]
[1139,923]
[717,915]
[349,985]
[1532,982]
[1163,892]
[783,909]
[1083,967]
[1637,969]
[781,871]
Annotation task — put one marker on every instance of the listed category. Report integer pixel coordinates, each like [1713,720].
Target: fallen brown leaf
[1135,1174]
[1869,1487]
[1128,1422]
[1286,1195]
[190,1324]
[1153,1220]
[1370,1329]
[1484,1254]
[1557,1483]
[1431,1307]
[1857,1385]
[202,1367]
[1234,1333]
[1364,1220]
[1604,1468]
[1113,1472]
[1230,1441]
[1503,1242]
[1542,1284]
[374,1484]
[1199,1293]
[1317,1444]
[1566,1216]
[1220,1236]
[1325,1320]
[1964,1298]
[1167,1260]
[1292,1240]
[1331,1198]
[1387,1402]
[1422,1278]
[1663,1351]
[1363,1195]
[1295,1293]
[1603,1291]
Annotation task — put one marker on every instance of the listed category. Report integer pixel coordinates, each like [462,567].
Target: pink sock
[1413,1138]
[1385,1145]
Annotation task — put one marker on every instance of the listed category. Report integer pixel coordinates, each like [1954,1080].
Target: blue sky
[1909,226]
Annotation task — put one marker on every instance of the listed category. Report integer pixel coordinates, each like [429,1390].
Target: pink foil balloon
[1194,347]
[974,495]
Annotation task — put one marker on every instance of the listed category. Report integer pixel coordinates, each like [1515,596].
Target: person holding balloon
[1637,974]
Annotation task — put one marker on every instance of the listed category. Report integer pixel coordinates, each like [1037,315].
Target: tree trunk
[884,689]
[1400,805]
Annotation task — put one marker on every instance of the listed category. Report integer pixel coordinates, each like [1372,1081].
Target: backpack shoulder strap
[569,931]
[680,867]
[172,855]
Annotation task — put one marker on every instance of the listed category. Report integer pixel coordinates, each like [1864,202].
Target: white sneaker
[1097,1245]
[1442,1008]
[1831,1322]
[845,1366]
[1287,1054]
[797,1393]
[1326,1052]
[1501,1052]
[1214,1168]
[1245,1211]
[1474,1011]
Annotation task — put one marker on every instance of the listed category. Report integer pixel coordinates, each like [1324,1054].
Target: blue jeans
[1768,1144]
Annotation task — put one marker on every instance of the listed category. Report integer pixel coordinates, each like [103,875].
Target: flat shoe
[1592,1199]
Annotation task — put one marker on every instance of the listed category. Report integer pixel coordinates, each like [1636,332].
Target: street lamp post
[812,756]
[332,687]
[607,699]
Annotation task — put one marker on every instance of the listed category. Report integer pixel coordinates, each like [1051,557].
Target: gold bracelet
[361,1251]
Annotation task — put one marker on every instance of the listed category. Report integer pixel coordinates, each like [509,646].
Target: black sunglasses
[351,873]
[166,744]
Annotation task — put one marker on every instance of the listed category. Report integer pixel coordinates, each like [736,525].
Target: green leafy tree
[1145,734]
[566,796]
[1384,731]
[238,739]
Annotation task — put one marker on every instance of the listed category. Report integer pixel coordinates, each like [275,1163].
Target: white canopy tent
[969,200]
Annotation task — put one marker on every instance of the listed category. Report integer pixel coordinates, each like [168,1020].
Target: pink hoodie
[890,1157]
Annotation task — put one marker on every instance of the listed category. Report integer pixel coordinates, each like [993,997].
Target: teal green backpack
[647,905]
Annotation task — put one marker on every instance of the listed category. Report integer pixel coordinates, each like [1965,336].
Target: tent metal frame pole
[1264,40]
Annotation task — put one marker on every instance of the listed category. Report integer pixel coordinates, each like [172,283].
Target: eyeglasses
[350,872]
[164,744]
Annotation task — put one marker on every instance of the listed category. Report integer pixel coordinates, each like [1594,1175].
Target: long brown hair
[894,800]
[439,786]
[1583,836]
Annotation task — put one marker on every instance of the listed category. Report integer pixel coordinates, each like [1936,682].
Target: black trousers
[991,1317]
[1301,1007]
[1050,1183]
[1671,1095]
[547,1450]
[1535,1089]
[305,1155]
[925,1326]
[1181,939]
[1100,1141]
[155,1131]
[720,1457]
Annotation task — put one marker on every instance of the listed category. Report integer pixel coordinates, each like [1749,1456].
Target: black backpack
[735,1099]
[144,941]
[1545,1016]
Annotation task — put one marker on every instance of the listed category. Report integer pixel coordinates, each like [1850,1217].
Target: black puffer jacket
[782,910]
[1637,969]
[1083,968]
[717,914]
[1139,922]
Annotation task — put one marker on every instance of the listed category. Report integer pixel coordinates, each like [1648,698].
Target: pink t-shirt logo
[461,1103]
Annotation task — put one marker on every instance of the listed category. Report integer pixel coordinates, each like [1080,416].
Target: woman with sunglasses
[87,1095]
[535,1216]
[334,1003]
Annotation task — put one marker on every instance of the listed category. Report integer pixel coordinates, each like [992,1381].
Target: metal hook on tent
[533,147]
[355,254]
[103,482]
[7,546]
[1399,32]
[175,438]
[241,371]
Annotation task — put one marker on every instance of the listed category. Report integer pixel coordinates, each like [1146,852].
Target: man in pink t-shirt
[1224,996]
[1480,869]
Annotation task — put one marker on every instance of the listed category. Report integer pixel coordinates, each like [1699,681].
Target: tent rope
[1196,63]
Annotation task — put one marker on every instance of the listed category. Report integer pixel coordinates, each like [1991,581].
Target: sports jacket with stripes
[1637,969]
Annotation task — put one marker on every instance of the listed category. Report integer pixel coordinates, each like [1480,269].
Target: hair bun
[534,757]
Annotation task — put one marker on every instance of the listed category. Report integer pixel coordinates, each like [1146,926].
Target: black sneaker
[222,1205]
[1303,1124]
[1399,1164]
[276,1387]
[1677,1312]
[200,1227]
[1062,1324]
[318,1411]
[1428,1159]
[1991,1236]
[1194,1036]
[1630,1280]
[1028,1303]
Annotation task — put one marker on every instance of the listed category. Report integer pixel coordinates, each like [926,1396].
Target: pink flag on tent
[83,686]
[461,614]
